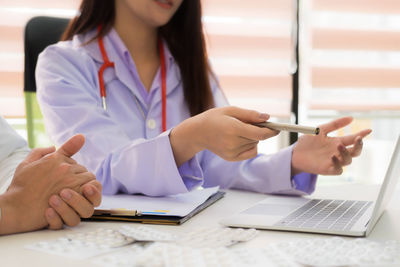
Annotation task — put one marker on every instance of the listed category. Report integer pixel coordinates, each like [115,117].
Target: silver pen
[289,127]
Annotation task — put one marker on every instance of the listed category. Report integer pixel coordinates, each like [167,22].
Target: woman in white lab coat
[133,77]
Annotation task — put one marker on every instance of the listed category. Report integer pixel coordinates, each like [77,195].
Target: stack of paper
[174,209]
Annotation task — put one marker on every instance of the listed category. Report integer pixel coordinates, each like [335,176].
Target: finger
[77,202]
[37,154]
[94,183]
[53,219]
[255,133]
[84,178]
[335,125]
[76,169]
[345,155]
[92,193]
[350,139]
[68,215]
[72,146]
[336,168]
[357,148]
[97,184]
[246,115]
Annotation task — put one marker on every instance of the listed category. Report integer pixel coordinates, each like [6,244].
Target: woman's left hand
[321,154]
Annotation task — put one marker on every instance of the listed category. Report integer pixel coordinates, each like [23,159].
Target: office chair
[39,33]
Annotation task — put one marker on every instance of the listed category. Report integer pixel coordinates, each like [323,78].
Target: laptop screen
[388,186]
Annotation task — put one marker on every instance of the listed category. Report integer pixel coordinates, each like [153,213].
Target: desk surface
[13,253]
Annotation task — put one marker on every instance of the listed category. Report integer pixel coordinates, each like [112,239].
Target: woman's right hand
[227,132]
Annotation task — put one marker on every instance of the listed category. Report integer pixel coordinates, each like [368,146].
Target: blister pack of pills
[84,244]
[313,252]
[335,251]
[212,247]
[143,233]
[216,237]
[202,237]
[173,255]
[87,244]
[124,257]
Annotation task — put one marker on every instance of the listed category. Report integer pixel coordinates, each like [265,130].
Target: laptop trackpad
[276,206]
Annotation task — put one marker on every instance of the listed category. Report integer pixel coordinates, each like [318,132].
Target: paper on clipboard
[173,205]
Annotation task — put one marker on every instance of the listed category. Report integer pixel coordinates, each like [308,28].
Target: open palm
[322,154]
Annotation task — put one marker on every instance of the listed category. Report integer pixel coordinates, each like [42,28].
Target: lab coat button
[151,124]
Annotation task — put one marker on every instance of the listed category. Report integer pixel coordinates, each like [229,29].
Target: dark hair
[183,34]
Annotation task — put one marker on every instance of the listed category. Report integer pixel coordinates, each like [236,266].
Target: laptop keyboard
[326,214]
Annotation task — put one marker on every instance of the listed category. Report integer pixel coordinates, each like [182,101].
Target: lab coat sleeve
[119,163]
[263,173]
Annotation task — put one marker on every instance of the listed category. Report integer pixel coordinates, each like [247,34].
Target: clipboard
[127,215]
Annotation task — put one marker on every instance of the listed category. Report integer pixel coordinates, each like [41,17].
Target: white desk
[13,253]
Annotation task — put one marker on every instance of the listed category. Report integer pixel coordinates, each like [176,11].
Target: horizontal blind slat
[358,6]
[11,33]
[274,47]
[273,107]
[11,84]
[353,106]
[251,9]
[355,40]
[263,87]
[325,77]
[42,4]
[12,107]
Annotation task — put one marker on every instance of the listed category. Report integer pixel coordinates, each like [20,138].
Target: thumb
[72,146]
[247,115]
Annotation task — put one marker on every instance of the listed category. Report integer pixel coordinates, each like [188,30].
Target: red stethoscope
[108,64]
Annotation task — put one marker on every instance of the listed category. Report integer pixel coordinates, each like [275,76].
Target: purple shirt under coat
[124,145]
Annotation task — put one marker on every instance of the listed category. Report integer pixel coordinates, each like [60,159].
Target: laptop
[327,216]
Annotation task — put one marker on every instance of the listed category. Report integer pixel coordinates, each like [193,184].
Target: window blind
[350,55]
[350,65]
[14,14]
[250,49]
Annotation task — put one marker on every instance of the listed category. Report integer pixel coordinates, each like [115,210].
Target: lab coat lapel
[119,71]
[173,76]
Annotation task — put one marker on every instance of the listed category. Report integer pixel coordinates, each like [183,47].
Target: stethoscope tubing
[109,64]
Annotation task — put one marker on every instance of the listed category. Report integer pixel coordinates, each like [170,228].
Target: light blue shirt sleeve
[13,149]
[9,139]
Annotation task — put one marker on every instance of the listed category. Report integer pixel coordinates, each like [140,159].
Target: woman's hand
[225,131]
[321,154]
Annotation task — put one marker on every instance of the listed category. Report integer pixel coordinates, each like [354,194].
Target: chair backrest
[40,32]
